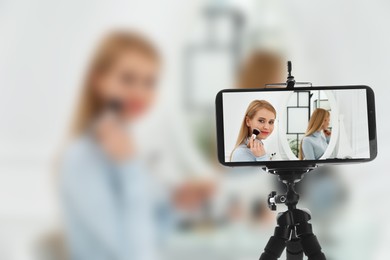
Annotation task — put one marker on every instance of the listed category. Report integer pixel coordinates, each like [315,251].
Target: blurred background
[206,46]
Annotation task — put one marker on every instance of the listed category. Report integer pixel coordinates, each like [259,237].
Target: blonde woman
[259,115]
[106,191]
[317,136]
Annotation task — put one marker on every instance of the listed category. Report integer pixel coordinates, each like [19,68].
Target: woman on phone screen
[317,136]
[259,118]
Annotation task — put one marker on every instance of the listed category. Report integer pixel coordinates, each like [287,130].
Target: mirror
[295,117]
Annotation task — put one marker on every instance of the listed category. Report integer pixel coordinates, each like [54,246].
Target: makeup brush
[114,105]
[255,132]
[111,111]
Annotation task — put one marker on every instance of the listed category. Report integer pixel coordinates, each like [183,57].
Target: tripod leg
[294,249]
[311,246]
[276,244]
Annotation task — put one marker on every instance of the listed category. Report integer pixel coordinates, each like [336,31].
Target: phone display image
[329,124]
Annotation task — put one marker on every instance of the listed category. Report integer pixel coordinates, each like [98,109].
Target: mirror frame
[282,128]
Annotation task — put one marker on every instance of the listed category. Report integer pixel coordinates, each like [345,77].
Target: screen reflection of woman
[317,136]
[259,115]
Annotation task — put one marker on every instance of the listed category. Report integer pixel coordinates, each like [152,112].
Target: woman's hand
[327,132]
[256,147]
[114,139]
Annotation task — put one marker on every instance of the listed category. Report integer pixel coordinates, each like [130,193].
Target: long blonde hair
[316,121]
[250,113]
[112,47]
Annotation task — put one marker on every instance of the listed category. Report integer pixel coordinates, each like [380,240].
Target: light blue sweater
[314,146]
[243,154]
[108,207]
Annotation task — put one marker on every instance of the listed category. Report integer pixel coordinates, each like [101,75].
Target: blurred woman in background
[107,193]
[260,115]
[261,68]
[317,136]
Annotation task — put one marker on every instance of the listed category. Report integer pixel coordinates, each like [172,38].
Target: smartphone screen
[301,125]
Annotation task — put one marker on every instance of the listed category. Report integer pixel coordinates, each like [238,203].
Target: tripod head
[289,177]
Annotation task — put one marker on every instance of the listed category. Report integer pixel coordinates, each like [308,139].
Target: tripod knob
[271,200]
[274,199]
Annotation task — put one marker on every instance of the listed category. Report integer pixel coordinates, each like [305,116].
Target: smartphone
[280,127]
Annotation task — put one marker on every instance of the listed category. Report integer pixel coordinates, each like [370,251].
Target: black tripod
[293,230]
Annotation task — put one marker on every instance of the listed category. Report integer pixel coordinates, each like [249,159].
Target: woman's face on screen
[131,80]
[264,120]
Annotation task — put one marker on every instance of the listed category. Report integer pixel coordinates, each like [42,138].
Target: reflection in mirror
[301,107]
